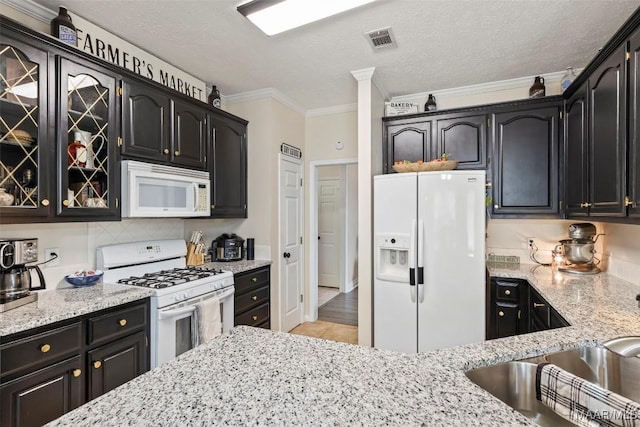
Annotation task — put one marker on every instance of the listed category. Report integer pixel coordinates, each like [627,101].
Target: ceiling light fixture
[276,16]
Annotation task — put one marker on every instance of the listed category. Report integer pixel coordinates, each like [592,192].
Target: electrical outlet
[530,242]
[50,254]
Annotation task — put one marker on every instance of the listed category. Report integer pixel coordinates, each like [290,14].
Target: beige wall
[322,133]
[25,20]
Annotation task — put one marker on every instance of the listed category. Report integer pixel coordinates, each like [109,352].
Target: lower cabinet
[252,298]
[48,371]
[515,308]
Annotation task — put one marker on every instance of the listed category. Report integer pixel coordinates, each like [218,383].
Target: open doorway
[333,264]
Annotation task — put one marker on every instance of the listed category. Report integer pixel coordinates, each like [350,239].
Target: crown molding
[337,109]
[262,94]
[517,83]
[363,74]
[32,9]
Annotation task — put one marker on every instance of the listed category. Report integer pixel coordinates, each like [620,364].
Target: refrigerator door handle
[420,252]
[412,255]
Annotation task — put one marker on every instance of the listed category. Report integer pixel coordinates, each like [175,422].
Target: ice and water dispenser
[393,256]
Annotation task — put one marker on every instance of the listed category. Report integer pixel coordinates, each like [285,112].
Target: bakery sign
[399,108]
[104,45]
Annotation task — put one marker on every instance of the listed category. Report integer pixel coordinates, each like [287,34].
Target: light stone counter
[252,376]
[238,266]
[67,302]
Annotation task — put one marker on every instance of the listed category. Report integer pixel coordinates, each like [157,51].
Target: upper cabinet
[228,166]
[607,136]
[634,125]
[87,139]
[602,177]
[162,129]
[462,136]
[525,145]
[146,115]
[25,151]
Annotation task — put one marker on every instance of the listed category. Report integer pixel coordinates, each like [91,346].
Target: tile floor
[328,331]
[325,294]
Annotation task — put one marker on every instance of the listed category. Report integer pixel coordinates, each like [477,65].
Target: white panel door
[329,254]
[451,302]
[395,314]
[290,243]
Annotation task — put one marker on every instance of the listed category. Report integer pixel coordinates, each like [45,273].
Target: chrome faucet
[624,346]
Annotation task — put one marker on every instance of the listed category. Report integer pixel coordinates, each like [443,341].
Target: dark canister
[537,90]
[251,247]
[62,28]
[214,97]
[431,103]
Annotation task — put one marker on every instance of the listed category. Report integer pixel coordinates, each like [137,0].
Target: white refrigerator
[429,259]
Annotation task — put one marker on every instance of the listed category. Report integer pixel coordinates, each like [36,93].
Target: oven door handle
[176,312]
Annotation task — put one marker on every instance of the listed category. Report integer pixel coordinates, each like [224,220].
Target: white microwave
[150,190]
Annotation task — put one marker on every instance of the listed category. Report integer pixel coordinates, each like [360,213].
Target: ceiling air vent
[382,38]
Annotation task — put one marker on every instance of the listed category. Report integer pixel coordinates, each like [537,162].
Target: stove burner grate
[166,278]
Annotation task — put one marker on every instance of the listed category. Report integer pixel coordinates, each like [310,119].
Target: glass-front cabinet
[25,146]
[87,141]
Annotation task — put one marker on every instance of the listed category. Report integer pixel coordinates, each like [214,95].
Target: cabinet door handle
[254,318]
[255,297]
[496,207]
[507,292]
[122,322]
[45,202]
[176,153]
[97,364]
[77,373]
[45,348]
[536,305]
[585,205]
[501,313]
[165,151]
[66,202]
[254,279]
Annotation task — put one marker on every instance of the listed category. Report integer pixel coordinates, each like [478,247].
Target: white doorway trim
[311,287]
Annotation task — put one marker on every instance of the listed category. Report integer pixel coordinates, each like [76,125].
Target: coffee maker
[576,254]
[15,276]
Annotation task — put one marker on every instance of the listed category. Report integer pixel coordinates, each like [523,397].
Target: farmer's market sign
[104,45]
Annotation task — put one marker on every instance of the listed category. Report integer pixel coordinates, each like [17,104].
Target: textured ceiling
[442,44]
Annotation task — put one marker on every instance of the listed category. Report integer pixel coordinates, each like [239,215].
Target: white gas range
[160,265]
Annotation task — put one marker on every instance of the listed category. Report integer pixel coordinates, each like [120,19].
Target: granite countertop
[260,377]
[238,266]
[65,303]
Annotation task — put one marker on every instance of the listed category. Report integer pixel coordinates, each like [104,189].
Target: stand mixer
[577,253]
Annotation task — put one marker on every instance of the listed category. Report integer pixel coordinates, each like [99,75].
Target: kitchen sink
[515,382]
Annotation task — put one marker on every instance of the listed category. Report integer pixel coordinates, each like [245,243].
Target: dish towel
[208,318]
[582,402]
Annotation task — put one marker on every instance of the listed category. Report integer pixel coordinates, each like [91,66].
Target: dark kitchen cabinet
[507,308]
[146,115]
[515,307]
[607,136]
[634,126]
[43,395]
[227,165]
[525,146]
[463,138]
[162,129]
[576,177]
[252,298]
[542,315]
[189,135]
[113,364]
[24,130]
[88,180]
[406,139]
[53,369]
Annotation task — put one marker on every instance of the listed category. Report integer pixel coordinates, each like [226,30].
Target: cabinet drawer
[251,280]
[507,291]
[32,352]
[254,316]
[117,324]
[250,299]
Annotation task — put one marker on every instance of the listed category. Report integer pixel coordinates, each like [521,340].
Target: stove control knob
[179,297]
